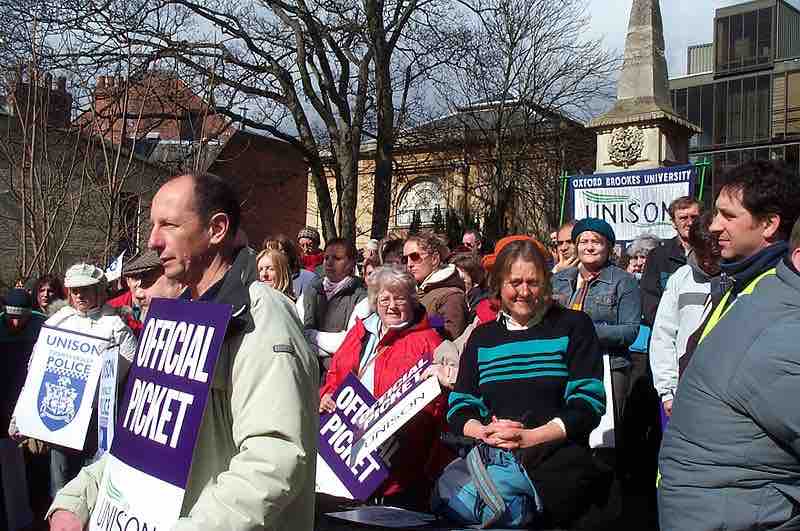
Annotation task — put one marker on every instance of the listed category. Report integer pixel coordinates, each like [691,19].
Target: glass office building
[743,89]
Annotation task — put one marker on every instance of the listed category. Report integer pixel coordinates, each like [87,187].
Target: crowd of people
[563,364]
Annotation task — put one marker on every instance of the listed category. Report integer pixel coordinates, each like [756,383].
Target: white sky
[686,22]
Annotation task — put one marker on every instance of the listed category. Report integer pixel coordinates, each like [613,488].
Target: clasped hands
[502,433]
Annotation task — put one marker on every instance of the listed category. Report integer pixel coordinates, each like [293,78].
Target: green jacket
[254,464]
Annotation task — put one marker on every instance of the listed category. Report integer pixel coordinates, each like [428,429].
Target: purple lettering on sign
[159,417]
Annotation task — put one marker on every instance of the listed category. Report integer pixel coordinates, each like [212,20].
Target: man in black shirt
[666,259]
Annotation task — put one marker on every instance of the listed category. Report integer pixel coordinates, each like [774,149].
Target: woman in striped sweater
[531,383]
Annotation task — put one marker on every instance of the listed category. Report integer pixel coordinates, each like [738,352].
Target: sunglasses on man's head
[414,258]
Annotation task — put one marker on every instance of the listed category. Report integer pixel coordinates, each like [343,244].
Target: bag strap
[486,488]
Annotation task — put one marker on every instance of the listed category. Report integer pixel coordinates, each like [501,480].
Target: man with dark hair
[664,260]
[253,467]
[472,240]
[566,249]
[328,306]
[756,206]
[731,454]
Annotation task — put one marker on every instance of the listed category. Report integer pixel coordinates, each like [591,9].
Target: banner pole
[703,166]
[564,180]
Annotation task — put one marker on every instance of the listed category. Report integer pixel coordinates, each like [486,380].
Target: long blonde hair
[280,263]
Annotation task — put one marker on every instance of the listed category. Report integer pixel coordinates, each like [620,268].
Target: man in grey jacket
[731,455]
[253,467]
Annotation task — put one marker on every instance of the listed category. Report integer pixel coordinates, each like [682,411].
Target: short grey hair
[394,279]
[643,244]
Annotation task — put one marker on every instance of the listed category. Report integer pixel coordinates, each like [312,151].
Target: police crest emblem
[60,396]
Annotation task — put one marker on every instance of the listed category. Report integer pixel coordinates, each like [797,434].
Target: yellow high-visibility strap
[723,308]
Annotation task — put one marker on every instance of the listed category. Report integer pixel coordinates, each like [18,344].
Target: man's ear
[218,228]
[794,256]
[771,224]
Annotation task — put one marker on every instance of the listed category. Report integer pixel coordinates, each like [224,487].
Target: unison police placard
[55,404]
[159,416]
[634,202]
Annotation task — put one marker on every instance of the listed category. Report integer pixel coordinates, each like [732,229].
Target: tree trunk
[324,203]
[382,197]
[348,200]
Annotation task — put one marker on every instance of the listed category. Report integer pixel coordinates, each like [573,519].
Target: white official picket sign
[55,404]
[604,435]
[126,492]
[422,394]
[107,401]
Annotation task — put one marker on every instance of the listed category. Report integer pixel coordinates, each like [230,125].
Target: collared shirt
[209,294]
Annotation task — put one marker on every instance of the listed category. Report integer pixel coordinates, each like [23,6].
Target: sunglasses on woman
[414,258]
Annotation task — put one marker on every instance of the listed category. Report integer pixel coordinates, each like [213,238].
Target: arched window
[421,195]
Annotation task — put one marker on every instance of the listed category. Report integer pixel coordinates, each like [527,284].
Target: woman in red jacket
[378,350]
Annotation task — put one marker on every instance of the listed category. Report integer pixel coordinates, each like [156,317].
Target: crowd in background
[537,345]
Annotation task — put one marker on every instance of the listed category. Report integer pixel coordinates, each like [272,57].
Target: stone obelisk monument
[642,130]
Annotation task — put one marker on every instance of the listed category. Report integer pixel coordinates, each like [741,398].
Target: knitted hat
[141,263]
[595,225]
[489,260]
[81,275]
[309,232]
[18,302]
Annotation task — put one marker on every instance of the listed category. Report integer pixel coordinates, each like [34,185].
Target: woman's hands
[444,373]
[502,433]
[512,435]
[326,403]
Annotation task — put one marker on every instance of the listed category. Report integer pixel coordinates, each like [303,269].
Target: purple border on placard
[359,490]
[157,460]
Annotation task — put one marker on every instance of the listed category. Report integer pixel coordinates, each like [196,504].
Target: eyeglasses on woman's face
[387,299]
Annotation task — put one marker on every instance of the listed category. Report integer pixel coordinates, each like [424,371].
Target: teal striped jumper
[551,370]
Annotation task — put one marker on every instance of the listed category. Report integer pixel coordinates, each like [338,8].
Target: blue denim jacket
[613,302]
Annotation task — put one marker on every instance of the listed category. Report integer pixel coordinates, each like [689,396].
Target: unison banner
[147,468]
[55,404]
[339,472]
[633,202]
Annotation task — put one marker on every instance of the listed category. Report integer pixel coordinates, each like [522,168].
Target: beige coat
[254,464]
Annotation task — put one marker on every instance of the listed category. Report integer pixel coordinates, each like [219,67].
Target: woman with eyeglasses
[378,350]
[610,296]
[529,391]
[441,289]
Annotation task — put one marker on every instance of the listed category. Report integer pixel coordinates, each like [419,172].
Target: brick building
[164,120]
[61,200]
